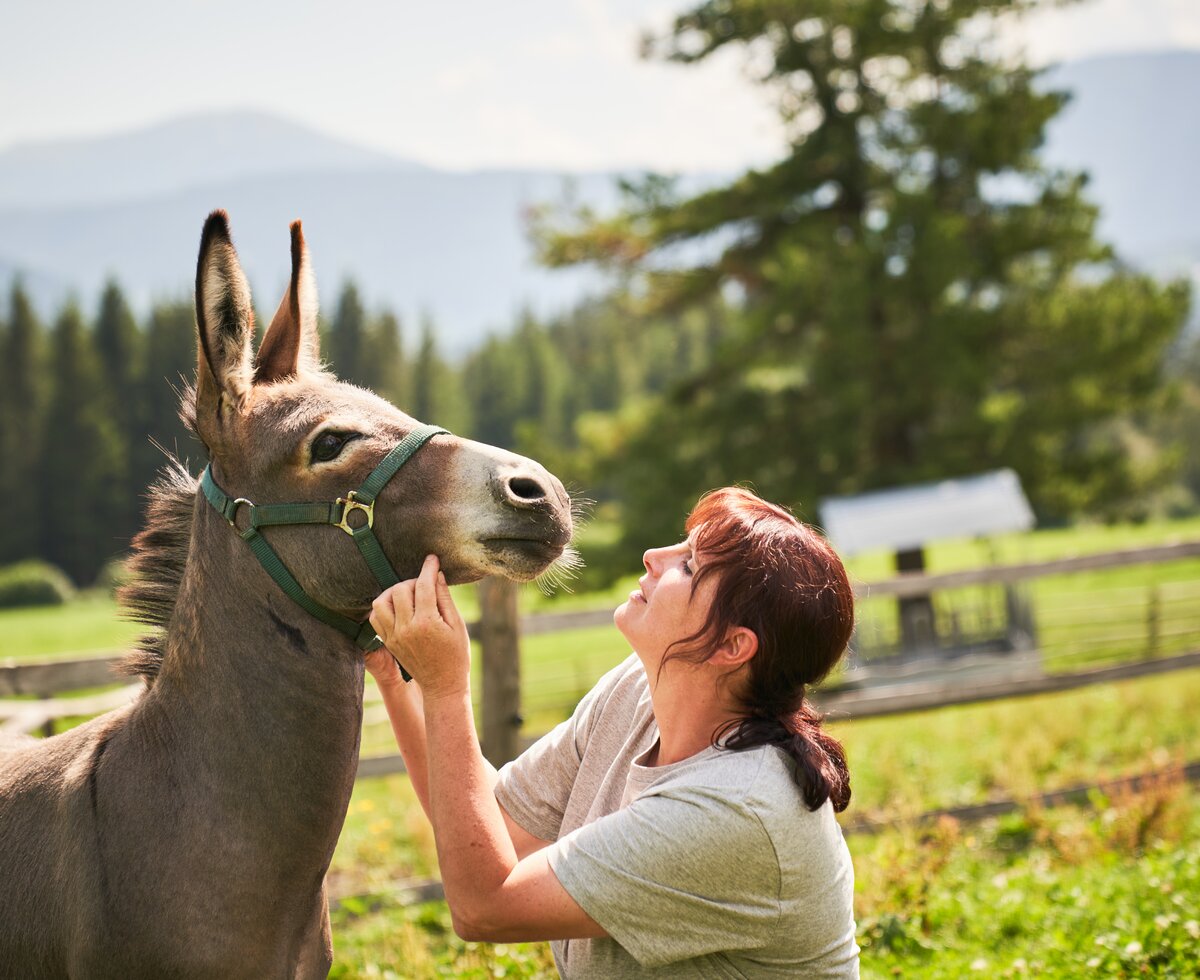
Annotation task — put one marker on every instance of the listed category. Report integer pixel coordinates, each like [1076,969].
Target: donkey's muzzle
[529,486]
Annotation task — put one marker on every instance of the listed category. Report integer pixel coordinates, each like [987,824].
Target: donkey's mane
[160,552]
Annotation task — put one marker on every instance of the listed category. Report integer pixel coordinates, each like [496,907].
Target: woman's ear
[739,645]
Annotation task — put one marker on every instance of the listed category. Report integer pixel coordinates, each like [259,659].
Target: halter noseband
[337,514]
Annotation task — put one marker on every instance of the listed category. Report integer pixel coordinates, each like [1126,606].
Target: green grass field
[1067,892]
[1109,891]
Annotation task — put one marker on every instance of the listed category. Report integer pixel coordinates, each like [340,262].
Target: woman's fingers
[425,603]
[382,614]
[393,607]
[445,602]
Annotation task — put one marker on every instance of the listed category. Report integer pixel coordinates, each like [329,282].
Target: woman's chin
[621,617]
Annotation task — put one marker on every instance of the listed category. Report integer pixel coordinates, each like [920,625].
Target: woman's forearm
[403,703]
[475,851]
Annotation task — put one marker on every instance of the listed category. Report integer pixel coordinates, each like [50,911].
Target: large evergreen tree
[22,402]
[920,295]
[81,493]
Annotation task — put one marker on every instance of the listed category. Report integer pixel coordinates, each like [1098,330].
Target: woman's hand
[419,623]
[383,667]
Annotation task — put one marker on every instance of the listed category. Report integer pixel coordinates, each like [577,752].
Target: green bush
[34,583]
[113,575]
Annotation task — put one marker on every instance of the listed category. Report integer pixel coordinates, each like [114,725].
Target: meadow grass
[1066,892]
[1060,893]
[966,754]
[89,625]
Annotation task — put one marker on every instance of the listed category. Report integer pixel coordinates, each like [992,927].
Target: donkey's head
[280,429]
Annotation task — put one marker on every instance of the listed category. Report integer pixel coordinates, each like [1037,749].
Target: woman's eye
[687,568]
[328,445]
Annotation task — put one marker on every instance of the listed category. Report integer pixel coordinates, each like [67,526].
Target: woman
[680,823]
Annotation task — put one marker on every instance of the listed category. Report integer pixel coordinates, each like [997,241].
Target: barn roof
[909,517]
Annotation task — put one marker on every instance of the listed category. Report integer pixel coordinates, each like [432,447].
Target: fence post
[500,639]
[1153,627]
[48,724]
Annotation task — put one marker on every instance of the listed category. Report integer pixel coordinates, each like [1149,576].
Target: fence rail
[501,629]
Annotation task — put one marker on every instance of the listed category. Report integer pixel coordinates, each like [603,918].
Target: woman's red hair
[779,578]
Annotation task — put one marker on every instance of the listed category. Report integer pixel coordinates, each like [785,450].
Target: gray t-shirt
[708,867]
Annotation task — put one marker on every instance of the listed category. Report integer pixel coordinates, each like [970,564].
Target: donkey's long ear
[291,342]
[225,321]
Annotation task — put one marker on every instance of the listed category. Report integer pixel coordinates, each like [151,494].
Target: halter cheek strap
[337,513]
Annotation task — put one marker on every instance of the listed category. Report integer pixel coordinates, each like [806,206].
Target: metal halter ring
[349,504]
[233,511]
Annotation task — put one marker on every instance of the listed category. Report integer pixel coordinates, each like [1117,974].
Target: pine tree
[920,296]
[347,341]
[490,379]
[22,402]
[385,354]
[437,393]
[81,488]
[427,370]
[170,364]
[118,344]
[543,384]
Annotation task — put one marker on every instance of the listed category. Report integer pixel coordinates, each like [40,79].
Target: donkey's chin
[520,559]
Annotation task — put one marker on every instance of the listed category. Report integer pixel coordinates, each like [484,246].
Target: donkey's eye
[328,445]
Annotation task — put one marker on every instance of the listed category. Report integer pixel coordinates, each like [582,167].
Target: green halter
[336,513]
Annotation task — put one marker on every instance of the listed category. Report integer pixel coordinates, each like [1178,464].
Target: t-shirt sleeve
[536,786]
[674,875]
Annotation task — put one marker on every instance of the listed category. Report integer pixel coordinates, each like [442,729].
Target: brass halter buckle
[349,504]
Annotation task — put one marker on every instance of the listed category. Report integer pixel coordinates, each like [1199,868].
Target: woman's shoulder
[614,701]
[625,684]
[759,783]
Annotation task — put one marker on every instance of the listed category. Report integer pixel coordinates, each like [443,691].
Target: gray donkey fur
[188,833]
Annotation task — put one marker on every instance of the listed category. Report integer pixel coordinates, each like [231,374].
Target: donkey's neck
[263,701]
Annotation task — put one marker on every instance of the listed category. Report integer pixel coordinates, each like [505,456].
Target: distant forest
[88,405]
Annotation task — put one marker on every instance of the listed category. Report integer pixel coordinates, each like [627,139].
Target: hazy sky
[463,84]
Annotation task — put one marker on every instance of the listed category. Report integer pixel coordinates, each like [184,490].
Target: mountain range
[453,245]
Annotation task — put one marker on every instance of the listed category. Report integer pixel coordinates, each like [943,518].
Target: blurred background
[925,264]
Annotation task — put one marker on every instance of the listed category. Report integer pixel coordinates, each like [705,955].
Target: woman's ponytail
[820,761]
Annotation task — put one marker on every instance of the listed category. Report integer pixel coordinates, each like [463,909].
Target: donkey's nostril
[526,489]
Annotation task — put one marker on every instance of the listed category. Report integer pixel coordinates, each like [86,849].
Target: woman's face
[664,609]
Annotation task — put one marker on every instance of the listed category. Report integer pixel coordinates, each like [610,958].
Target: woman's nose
[651,560]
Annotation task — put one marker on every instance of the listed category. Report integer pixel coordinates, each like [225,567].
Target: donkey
[188,833]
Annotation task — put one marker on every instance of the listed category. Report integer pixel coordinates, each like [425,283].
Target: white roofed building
[906,519]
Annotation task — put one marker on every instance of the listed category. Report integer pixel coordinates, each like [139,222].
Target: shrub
[34,583]
[113,575]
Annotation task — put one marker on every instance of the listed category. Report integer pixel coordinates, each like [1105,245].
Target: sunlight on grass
[87,626]
[955,756]
[1057,893]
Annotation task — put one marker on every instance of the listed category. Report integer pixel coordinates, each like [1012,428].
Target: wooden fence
[500,628]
